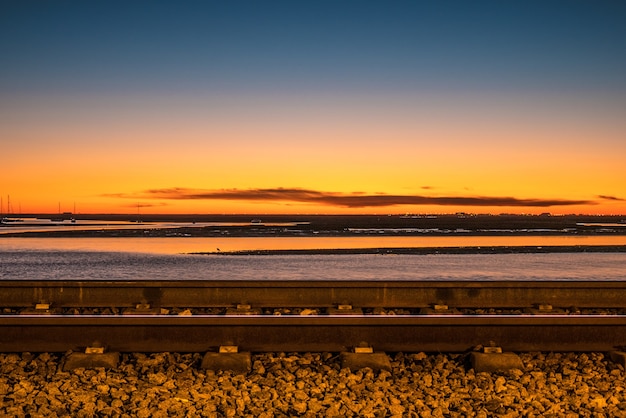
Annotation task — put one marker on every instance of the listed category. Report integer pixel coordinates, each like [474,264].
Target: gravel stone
[311,385]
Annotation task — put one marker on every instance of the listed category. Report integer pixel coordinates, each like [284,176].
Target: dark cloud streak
[348,200]
[619,199]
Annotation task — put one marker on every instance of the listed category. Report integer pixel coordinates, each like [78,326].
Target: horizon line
[410,214]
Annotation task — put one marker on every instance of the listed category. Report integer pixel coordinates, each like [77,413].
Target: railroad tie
[439,309]
[618,357]
[345,309]
[492,359]
[544,309]
[243,309]
[228,358]
[93,357]
[363,356]
[142,309]
[42,308]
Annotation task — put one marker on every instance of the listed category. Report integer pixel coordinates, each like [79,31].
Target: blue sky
[87,46]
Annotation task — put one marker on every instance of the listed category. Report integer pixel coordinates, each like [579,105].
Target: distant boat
[7,220]
[62,217]
[256,221]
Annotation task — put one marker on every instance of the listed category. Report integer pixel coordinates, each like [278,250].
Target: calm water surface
[154,258]
[178,245]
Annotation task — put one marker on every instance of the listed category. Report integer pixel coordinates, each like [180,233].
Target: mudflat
[254,225]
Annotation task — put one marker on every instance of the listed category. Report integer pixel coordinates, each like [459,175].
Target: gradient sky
[313,106]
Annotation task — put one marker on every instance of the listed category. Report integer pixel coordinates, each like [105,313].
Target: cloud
[146,205]
[619,199]
[347,200]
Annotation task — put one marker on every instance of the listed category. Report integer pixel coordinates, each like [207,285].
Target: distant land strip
[435,250]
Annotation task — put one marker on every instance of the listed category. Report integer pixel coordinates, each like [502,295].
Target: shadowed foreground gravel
[311,385]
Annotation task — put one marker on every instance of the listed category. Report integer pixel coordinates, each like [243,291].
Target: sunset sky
[313,106]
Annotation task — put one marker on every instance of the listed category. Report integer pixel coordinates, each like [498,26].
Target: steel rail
[260,333]
[314,293]
[426,332]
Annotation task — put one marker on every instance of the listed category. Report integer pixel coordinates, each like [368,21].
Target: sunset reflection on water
[177,245]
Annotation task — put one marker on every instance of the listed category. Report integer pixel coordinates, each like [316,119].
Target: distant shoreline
[76,226]
[530,249]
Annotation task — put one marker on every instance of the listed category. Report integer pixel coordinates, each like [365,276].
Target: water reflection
[177,245]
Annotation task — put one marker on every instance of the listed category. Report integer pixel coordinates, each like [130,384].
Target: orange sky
[103,160]
[358,111]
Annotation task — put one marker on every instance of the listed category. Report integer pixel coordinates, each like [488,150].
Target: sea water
[181,245]
[148,259]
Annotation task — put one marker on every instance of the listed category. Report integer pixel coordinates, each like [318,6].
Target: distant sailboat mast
[58,218]
[9,210]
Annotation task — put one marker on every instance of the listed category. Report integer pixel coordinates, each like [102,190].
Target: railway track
[284,316]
